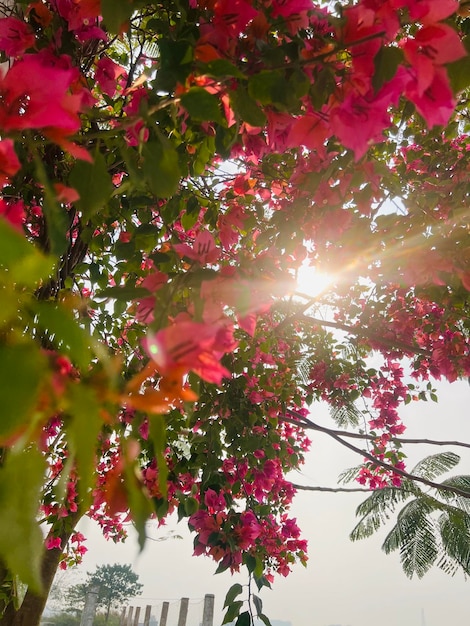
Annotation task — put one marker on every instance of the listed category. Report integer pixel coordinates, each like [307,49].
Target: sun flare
[310,282]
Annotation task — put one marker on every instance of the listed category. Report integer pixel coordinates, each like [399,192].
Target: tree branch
[418,479]
[401,440]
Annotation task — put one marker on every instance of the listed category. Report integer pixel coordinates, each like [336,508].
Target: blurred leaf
[157,435]
[201,105]
[122,293]
[386,63]
[160,167]
[83,426]
[21,540]
[25,263]
[93,183]
[116,13]
[22,367]
[64,331]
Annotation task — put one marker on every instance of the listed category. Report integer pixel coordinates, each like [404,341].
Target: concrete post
[164,614]
[208,612]
[136,616]
[183,612]
[148,613]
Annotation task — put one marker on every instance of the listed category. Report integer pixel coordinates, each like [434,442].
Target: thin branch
[330,489]
[376,461]
[309,425]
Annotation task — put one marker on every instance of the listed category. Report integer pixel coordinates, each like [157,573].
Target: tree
[432,528]
[116,584]
[166,169]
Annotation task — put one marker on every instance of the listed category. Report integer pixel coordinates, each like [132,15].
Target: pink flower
[52,543]
[13,212]
[15,36]
[106,75]
[36,94]
[9,163]
[203,250]
[188,345]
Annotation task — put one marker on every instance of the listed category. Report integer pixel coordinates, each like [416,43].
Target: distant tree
[116,584]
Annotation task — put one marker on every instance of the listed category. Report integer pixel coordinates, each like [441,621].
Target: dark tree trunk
[32,607]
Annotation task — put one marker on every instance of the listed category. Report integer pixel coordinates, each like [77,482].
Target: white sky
[347,584]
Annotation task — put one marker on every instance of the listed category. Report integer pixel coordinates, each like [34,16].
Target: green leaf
[93,183]
[21,369]
[116,13]
[160,167]
[157,435]
[386,63]
[83,426]
[201,105]
[258,605]
[232,612]
[268,87]
[122,293]
[21,540]
[244,619]
[265,620]
[221,67]
[26,264]
[64,331]
[234,591]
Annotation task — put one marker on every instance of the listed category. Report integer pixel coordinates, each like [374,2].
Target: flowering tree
[166,169]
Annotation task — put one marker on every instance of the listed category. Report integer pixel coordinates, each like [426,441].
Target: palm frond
[436,464]
[459,482]
[414,534]
[376,510]
[454,527]
[346,415]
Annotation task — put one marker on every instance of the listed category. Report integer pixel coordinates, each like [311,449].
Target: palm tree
[433,528]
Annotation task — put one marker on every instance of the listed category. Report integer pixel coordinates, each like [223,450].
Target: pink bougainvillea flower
[436,104]
[52,543]
[427,11]
[145,307]
[15,36]
[188,345]
[203,250]
[9,163]
[432,47]
[13,212]
[37,95]
[106,75]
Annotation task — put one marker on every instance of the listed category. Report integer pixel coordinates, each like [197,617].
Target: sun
[311,282]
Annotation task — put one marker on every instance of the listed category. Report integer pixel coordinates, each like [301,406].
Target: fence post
[164,614]
[183,612]
[136,616]
[89,609]
[122,621]
[129,616]
[148,613]
[208,612]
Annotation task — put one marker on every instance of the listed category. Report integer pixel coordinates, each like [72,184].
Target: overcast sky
[346,584]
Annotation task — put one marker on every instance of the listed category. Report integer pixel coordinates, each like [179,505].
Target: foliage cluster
[166,168]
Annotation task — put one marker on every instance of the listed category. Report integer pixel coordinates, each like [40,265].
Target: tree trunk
[32,607]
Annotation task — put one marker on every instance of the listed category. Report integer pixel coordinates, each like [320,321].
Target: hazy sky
[346,584]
